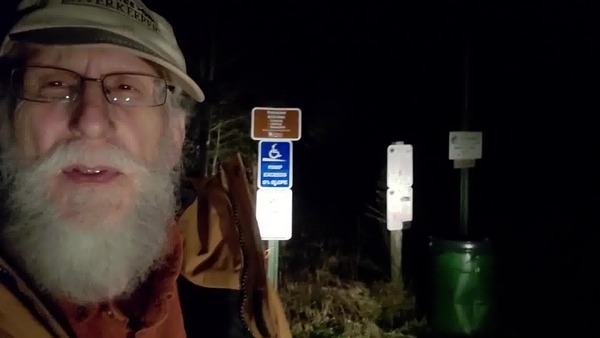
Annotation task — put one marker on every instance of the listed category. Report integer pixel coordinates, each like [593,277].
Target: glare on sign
[274,213]
[399,207]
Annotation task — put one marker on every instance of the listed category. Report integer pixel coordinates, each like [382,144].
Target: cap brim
[95,36]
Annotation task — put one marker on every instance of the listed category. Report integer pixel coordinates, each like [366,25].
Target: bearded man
[96,240]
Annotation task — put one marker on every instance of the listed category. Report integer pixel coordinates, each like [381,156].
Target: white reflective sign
[274,213]
[465,145]
[399,165]
[399,207]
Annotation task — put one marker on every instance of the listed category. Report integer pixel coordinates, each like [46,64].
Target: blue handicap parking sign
[275,164]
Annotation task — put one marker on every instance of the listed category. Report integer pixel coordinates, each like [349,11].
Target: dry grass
[321,305]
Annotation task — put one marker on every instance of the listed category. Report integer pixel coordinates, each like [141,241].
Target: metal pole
[464,201]
[396,255]
[273,263]
[464,172]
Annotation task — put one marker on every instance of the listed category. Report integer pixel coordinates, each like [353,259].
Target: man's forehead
[115,58]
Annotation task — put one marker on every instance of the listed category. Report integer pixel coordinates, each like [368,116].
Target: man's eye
[56,84]
[125,87]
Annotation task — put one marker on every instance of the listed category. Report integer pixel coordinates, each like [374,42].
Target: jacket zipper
[244,276]
[8,280]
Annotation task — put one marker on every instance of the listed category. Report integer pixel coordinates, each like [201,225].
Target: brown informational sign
[276,124]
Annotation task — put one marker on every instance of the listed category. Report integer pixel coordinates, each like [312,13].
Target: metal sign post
[399,200]
[275,129]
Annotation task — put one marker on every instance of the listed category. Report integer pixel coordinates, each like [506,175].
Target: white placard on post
[274,213]
[399,165]
[465,145]
[399,203]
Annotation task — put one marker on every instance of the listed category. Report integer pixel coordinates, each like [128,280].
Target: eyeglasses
[50,84]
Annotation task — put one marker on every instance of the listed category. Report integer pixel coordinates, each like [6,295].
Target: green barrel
[462,288]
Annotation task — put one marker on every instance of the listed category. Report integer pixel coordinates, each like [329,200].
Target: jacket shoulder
[22,313]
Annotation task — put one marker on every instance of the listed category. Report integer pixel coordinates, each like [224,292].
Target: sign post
[275,129]
[464,148]
[399,200]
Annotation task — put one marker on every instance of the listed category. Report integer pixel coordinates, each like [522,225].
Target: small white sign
[274,213]
[399,165]
[399,207]
[465,145]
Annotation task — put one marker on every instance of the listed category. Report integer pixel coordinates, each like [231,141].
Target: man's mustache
[81,154]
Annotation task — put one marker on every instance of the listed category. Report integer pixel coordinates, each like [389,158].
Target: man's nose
[91,117]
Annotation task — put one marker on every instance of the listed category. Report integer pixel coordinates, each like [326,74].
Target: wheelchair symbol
[274,152]
[274,155]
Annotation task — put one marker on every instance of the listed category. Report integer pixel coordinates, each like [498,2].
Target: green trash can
[462,288]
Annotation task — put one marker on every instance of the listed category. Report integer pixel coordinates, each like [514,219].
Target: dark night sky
[370,73]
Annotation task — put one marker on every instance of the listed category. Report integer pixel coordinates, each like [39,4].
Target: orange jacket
[215,257]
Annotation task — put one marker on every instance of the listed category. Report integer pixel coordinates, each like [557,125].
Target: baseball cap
[125,23]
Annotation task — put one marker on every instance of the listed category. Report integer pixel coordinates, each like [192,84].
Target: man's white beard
[93,261]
